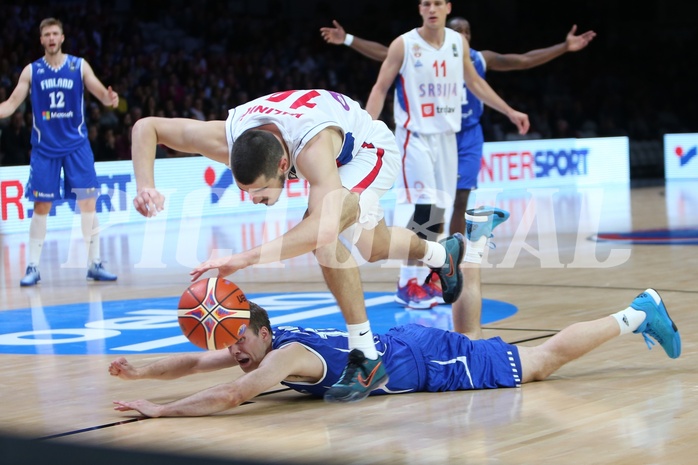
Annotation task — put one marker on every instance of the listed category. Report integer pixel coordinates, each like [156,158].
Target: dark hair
[259,318]
[255,153]
[458,24]
[50,22]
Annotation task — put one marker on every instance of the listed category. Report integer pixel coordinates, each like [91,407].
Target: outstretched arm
[336,35]
[319,227]
[105,95]
[489,97]
[186,135]
[512,61]
[274,368]
[175,366]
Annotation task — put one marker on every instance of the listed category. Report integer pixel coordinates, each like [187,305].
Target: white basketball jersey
[302,114]
[429,87]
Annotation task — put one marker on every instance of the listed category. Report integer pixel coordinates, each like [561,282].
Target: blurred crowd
[172,59]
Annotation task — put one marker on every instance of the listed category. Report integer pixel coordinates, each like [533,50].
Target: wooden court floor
[621,404]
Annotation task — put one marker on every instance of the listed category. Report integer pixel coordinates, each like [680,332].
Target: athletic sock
[629,319]
[90,235]
[37,235]
[435,256]
[475,249]
[407,272]
[361,337]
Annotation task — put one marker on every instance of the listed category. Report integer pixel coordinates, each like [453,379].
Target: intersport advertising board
[196,186]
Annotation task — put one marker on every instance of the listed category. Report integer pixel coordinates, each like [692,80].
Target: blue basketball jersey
[472,107]
[417,358]
[57,98]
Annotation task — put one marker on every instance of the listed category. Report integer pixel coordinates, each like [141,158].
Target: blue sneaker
[97,272]
[450,274]
[476,229]
[657,324]
[360,377]
[31,277]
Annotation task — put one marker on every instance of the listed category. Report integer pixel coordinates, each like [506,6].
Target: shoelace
[429,287]
[429,276]
[649,341]
[348,373]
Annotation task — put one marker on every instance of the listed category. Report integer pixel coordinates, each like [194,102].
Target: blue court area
[150,325]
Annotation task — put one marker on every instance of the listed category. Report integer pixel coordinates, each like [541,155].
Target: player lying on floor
[418,358]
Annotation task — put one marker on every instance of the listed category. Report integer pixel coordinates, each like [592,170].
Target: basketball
[213,313]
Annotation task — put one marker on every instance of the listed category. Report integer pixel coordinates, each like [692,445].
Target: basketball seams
[222,330]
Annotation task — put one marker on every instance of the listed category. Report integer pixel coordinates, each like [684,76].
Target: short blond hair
[50,22]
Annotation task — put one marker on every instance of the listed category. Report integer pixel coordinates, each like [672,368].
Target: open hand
[333,35]
[148,202]
[225,265]
[575,43]
[144,407]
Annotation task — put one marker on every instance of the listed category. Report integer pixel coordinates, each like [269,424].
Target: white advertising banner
[680,160]
[555,162]
[197,186]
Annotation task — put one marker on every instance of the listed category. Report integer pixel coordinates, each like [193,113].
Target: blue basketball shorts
[79,176]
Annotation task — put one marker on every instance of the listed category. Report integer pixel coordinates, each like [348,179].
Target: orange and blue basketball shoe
[359,378]
[657,324]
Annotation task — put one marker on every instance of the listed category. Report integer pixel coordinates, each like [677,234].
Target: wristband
[348,40]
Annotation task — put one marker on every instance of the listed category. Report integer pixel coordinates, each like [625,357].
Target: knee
[427,221]
[42,208]
[377,253]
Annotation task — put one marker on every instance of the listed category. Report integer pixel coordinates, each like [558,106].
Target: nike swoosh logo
[367,382]
[452,269]
[363,333]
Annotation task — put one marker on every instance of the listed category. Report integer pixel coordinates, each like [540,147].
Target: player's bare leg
[467,310]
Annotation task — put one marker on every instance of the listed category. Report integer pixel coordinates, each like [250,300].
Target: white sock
[361,337]
[435,257]
[475,249]
[407,272]
[629,319]
[422,273]
[90,235]
[37,235]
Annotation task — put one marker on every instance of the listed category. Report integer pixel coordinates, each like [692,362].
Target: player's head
[259,318]
[256,342]
[460,25]
[259,165]
[434,12]
[51,35]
